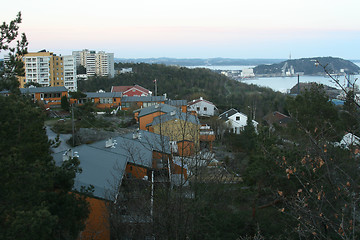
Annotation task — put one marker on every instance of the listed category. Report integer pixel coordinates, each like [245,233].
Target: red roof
[126,88]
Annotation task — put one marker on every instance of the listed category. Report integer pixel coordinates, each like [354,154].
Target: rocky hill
[308,66]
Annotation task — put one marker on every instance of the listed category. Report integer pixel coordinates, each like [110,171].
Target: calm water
[284,84]
[225,68]
[281,84]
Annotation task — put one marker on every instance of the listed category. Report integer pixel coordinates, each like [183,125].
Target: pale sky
[192,28]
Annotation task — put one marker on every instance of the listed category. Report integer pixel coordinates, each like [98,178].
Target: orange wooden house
[141,102]
[49,96]
[104,99]
[146,115]
[141,155]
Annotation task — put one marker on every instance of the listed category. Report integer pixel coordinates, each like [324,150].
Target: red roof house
[131,91]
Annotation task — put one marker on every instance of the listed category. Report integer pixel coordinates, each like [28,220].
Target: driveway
[63,138]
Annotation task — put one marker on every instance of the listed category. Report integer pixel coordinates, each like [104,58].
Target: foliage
[35,201]
[308,66]
[77,95]
[185,83]
[80,69]
[13,67]
[65,103]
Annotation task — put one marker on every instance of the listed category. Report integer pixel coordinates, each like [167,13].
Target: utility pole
[155,87]
[73,124]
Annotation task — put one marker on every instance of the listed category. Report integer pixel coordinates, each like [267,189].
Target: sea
[283,84]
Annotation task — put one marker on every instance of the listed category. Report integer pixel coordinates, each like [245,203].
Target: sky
[191,28]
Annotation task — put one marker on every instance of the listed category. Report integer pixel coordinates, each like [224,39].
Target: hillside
[185,83]
[307,66]
[200,61]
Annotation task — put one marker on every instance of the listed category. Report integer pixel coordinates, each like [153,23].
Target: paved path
[63,138]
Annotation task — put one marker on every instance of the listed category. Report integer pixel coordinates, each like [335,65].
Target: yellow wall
[57,71]
[178,130]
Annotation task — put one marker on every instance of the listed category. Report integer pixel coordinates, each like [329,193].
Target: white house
[202,107]
[236,120]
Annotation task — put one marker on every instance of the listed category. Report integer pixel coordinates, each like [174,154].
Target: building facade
[100,63]
[49,70]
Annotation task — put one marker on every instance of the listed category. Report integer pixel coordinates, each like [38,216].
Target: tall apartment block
[47,69]
[100,63]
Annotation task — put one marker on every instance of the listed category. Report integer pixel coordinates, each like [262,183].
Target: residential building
[48,69]
[131,91]
[39,68]
[202,107]
[100,63]
[182,104]
[104,64]
[137,160]
[70,79]
[183,129]
[235,120]
[49,96]
[141,102]
[146,115]
[103,99]
[277,118]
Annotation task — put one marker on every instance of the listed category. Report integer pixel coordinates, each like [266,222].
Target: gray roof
[42,90]
[101,169]
[157,108]
[103,94]
[176,103]
[175,115]
[225,115]
[159,143]
[136,152]
[144,99]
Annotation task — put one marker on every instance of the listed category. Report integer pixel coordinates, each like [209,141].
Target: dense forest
[309,66]
[185,83]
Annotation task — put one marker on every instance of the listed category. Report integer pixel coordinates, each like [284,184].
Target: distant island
[307,66]
[200,61]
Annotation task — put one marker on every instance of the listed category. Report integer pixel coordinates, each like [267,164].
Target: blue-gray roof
[101,169]
[175,115]
[103,94]
[176,103]
[144,99]
[157,108]
[42,90]
[136,152]
[159,143]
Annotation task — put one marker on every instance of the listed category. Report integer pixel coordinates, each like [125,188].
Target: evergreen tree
[36,201]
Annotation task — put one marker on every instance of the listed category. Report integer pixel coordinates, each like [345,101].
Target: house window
[237,118]
[205,109]
[114,99]
[198,109]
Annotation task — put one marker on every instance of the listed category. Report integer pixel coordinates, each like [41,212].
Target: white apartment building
[105,64]
[49,70]
[38,68]
[90,63]
[101,63]
[70,80]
